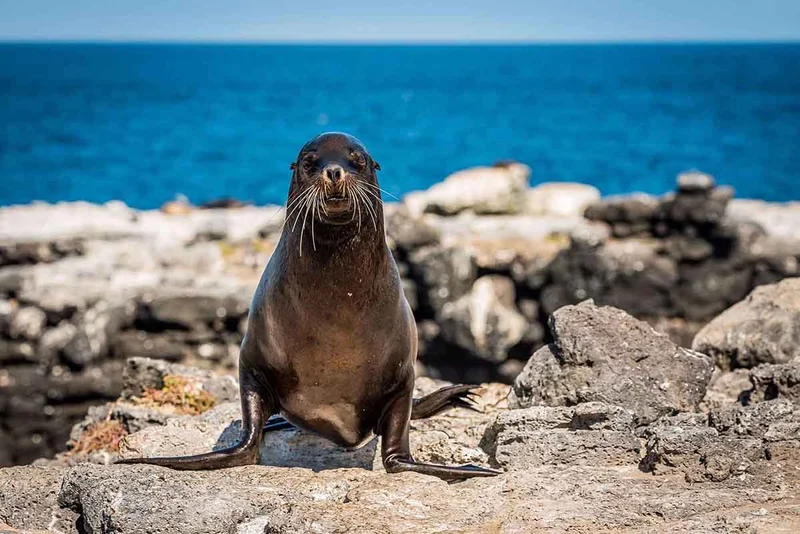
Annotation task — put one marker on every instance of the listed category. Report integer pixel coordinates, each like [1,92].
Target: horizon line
[465,42]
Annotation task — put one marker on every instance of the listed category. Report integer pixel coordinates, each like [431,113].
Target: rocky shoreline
[485,260]
[611,427]
[640,367]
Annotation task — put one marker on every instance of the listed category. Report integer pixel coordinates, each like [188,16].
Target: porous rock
[763,328]
[592,433]
[604,354]
[28,500]
[772,381]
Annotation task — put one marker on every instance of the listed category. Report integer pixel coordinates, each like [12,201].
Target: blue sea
[143,123]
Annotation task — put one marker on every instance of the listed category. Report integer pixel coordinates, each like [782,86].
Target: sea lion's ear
[293,165]
[376,165]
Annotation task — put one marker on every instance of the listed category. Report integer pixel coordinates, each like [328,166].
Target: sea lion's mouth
[336,205]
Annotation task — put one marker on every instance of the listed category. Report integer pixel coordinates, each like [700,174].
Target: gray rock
[700,453]
[28,500]
[12,352]
[499,189]
[630,274]
[54,340]
[763,328]
[696,209]
[636,210]
[562,199]
[604,354]
[485,321]
[407,232]
[695,181]
[446,274]
[775,381]
[27,323]
[95,330]
[588,434]
[541,381]
[143,373]
[193,309]
[754,420]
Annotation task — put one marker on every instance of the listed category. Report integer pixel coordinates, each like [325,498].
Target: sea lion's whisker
[348,192]
[294,206]
[306,197]
[384,191]
[308,204]
[290,208]
[314,216]
[370,209]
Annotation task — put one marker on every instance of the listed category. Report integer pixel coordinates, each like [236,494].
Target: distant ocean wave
[143,123]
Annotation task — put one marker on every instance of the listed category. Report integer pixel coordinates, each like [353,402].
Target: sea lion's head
[334,182]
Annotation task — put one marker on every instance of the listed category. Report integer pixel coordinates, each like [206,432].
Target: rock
[779,381]
[763,328]
[754,420]
[176,207]
[632,275]
[695,182]
[485,320]
[480,190]
[140,344]
[143,373]
[588,434]
[779,220]
[604,354]
[445,274]
[706,289]
[96,328]
[126,499]
[627,215]
[54,340]
[38,252]
[190,310]
[700,453]
[27,323]
[541,379]
[704,210]
[28,500]
[726,388]
[406,231]
[560,199]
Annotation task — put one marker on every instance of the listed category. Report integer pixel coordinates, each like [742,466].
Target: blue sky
[400,20]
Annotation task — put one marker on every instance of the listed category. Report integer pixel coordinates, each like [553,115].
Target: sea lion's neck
[337,250]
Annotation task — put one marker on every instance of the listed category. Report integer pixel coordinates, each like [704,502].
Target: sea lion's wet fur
[331,339]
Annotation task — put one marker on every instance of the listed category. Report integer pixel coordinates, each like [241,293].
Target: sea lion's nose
[333,173]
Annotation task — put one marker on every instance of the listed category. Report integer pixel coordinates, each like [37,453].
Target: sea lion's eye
[358,158]
[308,162]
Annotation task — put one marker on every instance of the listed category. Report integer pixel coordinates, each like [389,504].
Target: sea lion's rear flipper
[396,452]
[256,409]
[460,395]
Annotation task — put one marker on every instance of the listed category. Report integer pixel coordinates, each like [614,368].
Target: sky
[400,20]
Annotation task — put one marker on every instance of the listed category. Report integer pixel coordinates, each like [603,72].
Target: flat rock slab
[257,499]
[28,499]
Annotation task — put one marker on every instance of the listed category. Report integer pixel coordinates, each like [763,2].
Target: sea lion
[331,340]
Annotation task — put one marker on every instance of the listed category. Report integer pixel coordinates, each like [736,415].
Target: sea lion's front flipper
[256,409]
[460,395]
[396,452]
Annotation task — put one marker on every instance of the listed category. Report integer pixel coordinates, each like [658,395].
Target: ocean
[144,123]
